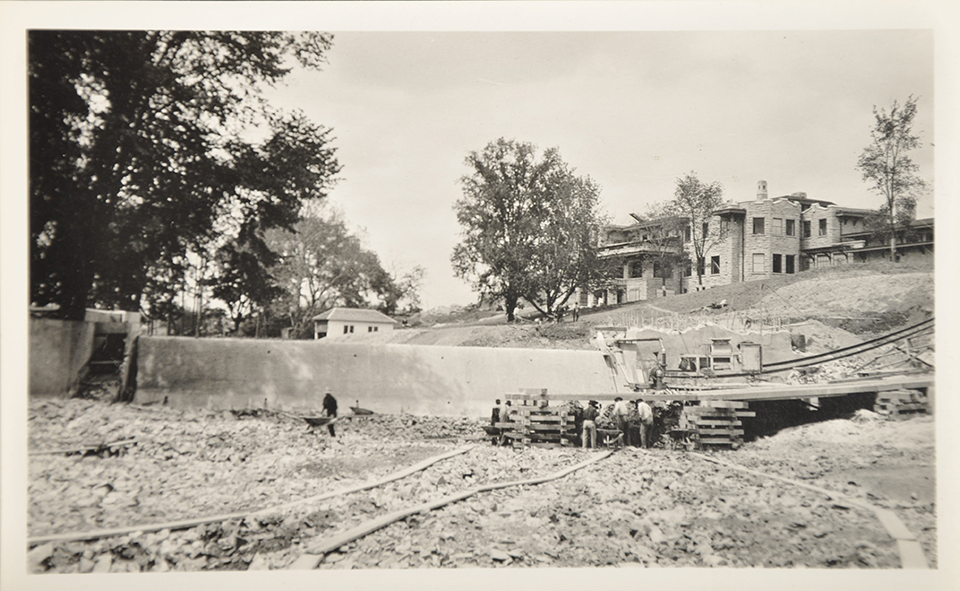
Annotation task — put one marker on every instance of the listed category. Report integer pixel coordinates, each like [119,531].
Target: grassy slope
[466,329]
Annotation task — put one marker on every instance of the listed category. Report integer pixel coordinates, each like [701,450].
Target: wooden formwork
[900,404]
[715,423]
[532,421]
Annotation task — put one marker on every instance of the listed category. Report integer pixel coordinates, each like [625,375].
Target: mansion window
[758,225]
[636,269]
[715,265]
[778,263]
[777,227]
[759,262]
[791,227]
[823,228]
[806,228]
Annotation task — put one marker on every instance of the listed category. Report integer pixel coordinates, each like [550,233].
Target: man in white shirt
[646,422]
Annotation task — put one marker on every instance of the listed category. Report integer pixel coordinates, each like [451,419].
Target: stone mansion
[746,241]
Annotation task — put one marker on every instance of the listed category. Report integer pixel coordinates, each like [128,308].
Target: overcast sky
[632,110]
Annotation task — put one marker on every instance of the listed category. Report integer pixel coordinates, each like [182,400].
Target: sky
[632,110]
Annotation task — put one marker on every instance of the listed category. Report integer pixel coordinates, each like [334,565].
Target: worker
[495,415]
[658,373]
[646,422]
[589,432]
[330,410]
[621,412]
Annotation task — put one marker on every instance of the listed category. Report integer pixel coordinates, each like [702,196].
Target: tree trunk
[510,305]
[893,237]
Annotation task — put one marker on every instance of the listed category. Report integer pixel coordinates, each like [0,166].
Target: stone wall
[773,240]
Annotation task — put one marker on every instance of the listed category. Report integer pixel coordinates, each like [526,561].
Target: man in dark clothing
[330,410]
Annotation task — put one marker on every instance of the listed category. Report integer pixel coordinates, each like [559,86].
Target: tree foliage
[138,151]
[694,202]
[887,167]
[664,229]
[322,264]
[529,227]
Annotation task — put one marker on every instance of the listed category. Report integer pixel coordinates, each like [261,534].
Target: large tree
[886,165]
[140,143]
[529,226]
[322,264]
[694,202]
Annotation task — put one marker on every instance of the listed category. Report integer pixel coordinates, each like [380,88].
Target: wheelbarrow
[320,421]
[360,411]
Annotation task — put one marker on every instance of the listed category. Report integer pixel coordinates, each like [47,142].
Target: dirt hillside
[845,302]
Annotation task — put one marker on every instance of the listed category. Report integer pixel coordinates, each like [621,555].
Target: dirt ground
[654,508]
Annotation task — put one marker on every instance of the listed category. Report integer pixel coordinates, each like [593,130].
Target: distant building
[337,322]
[762,238]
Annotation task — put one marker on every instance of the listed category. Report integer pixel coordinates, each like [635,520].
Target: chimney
[761,190]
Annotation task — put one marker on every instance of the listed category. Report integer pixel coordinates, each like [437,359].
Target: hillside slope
[866,300]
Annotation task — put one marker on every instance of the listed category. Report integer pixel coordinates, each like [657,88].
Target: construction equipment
[639,361]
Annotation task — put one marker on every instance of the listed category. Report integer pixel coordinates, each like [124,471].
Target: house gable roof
[354,315]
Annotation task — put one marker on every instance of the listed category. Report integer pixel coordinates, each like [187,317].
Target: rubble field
[653,508]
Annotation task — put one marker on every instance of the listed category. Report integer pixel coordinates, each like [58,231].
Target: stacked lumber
[715,423]
[900,404]
[532,421]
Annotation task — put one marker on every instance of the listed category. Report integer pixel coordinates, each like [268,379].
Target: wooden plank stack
[715,423]
[535,422]
[900,404]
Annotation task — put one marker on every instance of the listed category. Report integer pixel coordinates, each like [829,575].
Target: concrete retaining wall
[58,351]
[422,380]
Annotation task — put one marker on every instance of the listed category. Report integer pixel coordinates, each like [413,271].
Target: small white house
[337,322]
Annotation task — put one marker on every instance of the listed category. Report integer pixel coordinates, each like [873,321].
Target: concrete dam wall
[415,379]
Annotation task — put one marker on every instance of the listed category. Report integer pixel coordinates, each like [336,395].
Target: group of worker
[633,419]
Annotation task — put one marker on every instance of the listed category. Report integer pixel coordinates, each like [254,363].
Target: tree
[664,231]
[694,202]
[321,265]
[565,255]
[887,166]
[138,148]
[529,226]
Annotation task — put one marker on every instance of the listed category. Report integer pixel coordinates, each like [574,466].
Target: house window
[346,329]
[376,329]
[777,226]
[686,233]
[715,265]
[806,228]
[791,227]
[688,270]
[823,228]
[706,229]
[636,269]
[790,264]
[759,261]
[369,329]
[758,225]
[663,271]
[777,263]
